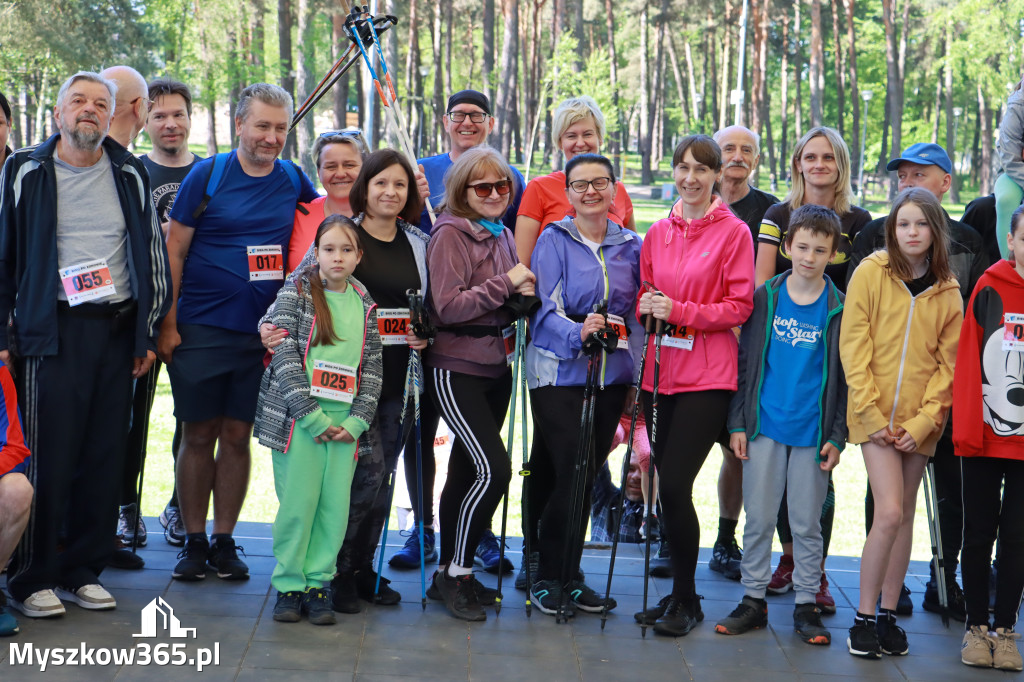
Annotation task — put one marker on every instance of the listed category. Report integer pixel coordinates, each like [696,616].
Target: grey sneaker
[126,518]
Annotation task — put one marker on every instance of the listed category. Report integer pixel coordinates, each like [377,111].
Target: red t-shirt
[544,200]
[304,230]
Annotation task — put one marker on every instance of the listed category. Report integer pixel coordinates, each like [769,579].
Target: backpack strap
[220,164]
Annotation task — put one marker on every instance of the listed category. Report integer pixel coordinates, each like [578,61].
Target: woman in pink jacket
[701,264]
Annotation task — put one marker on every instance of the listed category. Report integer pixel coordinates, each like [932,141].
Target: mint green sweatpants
[313,483]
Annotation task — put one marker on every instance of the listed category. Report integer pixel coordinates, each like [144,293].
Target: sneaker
[488,553]
[8,623]
[534,562]
[956,605]
[409,555]
[125,518]
[892,639]
[726,558]
[487,596]
[546,595]
[93,597]
[125,559]
[316,604]
[586,599]
[651,525]
[41,604]
[459,596]
[174,527]
[366,587]
[681,616]
[224,559]
[661,566]
[345,594]
[782,578]
[288,608]
[863,640]
[824,599]
[192,564]
[976,648]
[904,605]
[1006,656]
[807,623]
[751,614]
[653,613]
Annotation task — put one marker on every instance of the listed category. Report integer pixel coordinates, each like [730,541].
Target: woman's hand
[594,323]
[644,306]
[904,441]
[330,434]
[415,342]
[661,306]
[519,275]
[882,438]
[344,436]
[271,336]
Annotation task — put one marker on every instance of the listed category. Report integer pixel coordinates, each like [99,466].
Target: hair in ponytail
[325,334]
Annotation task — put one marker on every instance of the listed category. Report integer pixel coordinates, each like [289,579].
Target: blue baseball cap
[925,154]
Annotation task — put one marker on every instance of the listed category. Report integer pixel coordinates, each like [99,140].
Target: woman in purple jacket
[473,270]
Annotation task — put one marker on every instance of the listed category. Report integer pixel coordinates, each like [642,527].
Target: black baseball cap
[470,97]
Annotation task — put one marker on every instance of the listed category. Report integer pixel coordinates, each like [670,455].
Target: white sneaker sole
[27,610]
[67,595]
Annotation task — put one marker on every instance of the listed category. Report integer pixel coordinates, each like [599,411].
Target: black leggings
[478,470]
[429,418]
[557,410]
[986,513]
[688,425]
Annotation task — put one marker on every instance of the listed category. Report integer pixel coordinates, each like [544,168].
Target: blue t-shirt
[794,370]
[434,168]
[245,211]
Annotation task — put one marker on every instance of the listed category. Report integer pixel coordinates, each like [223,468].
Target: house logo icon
[158,617]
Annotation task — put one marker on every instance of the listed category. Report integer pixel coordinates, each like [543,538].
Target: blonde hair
[574,110]
[473,164]
[843,189]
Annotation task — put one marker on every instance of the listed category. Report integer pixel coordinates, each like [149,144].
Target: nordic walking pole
[516,367]
[420,326]
[931,502]
[142,475]
[323,86]
[525,473]
[659,327]
[648,323]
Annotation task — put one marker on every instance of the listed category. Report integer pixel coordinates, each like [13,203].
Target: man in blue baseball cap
[927,165]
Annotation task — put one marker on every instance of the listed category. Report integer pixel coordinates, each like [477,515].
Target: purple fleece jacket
[468,285]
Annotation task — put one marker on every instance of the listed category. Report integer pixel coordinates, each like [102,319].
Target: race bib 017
[265,262]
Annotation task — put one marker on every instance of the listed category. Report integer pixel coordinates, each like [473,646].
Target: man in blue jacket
[84,276]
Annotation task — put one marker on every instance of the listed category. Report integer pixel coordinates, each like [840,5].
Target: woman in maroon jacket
[473,270]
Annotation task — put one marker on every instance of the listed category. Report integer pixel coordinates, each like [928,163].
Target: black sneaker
[460,597]
[124,558]
[487,596]
[488,554]
[957,607]
[546,595]
[288,608]
[586,599]
[316,604]
[366,584]
[807,623]
[651,526]
[192,564]
[891,638]
[345,595]
[750,614]
[653,613]
[534,569]
[904,605]
[681,616]
[726,558]
[863,640]
[224,559]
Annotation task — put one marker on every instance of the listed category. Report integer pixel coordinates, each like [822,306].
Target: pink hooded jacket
[706,266]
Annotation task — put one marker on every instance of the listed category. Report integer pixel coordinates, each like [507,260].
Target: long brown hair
[938,256]
[325,334]
[375,164]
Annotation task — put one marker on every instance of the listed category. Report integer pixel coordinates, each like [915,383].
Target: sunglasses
[483,190]
[347,132]
[580,186]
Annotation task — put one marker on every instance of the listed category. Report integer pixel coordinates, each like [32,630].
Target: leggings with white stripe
[474,408]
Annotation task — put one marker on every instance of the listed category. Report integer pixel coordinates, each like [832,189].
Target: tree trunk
[976,144]
[954,188]
[837,60]
[340,90]
[798,72]
[985,179]
[646,114]
[284,51]
[677,74]
[257,34]
[759,101]
[509,76]
[854,91]
[438,80]
[783,173]
[817,66]
[412,70]
[487,61]
[613,63]
[448,12]
[306,82]
[659,63]
[937,109]
[895,58]
[723,104]
[581,58]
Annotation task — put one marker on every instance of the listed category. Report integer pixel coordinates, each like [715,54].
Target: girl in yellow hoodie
[898,344]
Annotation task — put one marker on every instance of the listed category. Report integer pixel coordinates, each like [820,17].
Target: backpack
[216,177]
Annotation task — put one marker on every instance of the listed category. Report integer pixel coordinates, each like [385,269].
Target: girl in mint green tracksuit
[317,399]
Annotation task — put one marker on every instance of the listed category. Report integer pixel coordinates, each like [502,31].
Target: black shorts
[215,373]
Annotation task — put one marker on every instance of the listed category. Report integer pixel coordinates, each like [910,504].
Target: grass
[261,502]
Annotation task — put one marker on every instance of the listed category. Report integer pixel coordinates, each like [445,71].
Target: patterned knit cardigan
[284,390]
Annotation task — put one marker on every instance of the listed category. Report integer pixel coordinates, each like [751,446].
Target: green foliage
[564,81]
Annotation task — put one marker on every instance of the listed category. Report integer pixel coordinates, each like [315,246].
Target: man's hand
[169,340]
[421,182]
[829,457]
[5,356]
[140,366]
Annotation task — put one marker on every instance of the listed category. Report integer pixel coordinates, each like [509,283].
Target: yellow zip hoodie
[898,353]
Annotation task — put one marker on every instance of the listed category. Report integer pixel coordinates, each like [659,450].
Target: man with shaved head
[132,103]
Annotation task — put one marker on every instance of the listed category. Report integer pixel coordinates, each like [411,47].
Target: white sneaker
[94,597]
[41,604]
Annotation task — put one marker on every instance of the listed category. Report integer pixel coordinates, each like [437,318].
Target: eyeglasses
[347,132]
[580,186]
[460,116]
[146,102]
[483,190]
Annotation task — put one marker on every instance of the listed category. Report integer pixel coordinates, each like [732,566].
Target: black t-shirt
[751,209]
[916,286]
[165,181]
[773,232]
[388,269]
[981,215]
